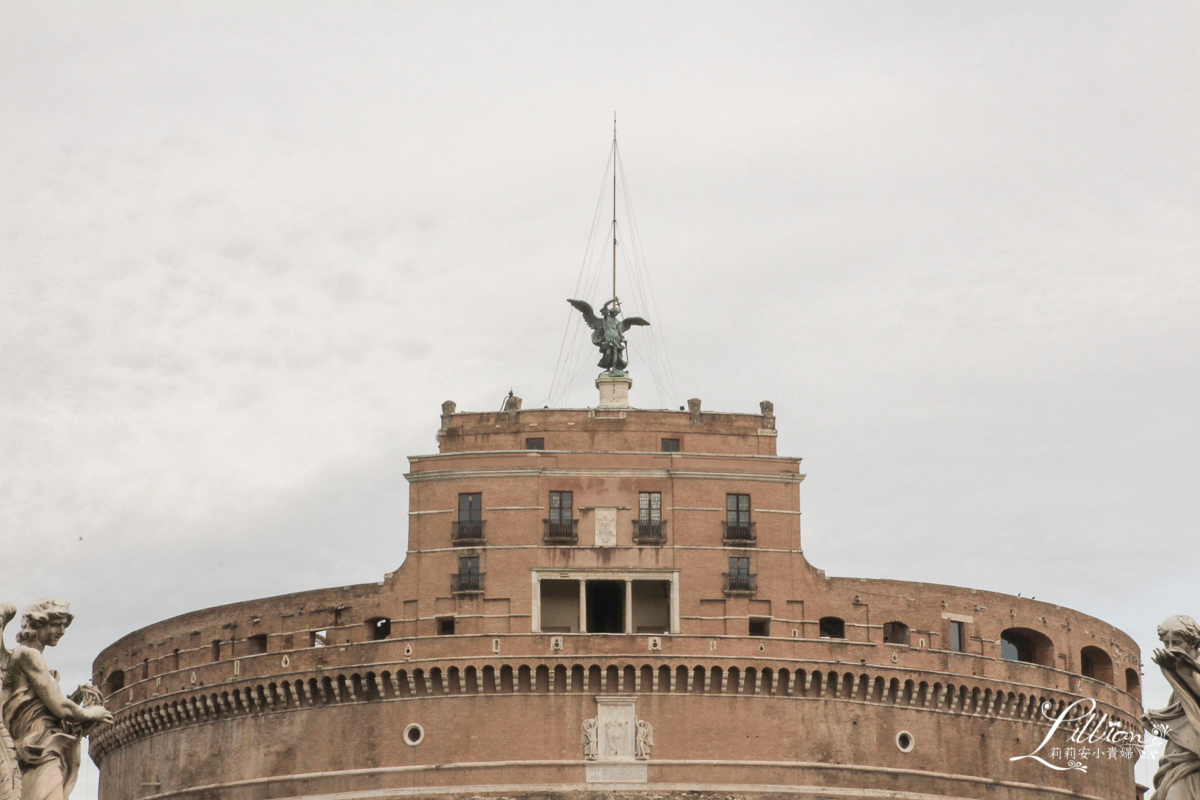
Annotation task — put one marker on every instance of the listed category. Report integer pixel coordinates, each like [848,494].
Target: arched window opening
[115,682]
[1025,644]
[1095,663]
[895,633]
[832,628]
[1133,682]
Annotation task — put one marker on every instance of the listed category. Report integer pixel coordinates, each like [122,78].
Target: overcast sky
[246,250]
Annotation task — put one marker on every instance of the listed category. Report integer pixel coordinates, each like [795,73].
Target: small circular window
[904,740]
[414,734]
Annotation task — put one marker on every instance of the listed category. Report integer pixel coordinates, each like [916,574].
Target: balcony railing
[740,534]
[464,534]
[648,532]
[466,583]
[740,583]
[561,532]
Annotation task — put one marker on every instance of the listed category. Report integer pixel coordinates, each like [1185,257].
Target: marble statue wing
[10,770]
[629,322]
[589,316]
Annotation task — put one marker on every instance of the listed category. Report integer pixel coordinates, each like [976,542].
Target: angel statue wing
[10,770]
[589,316]
[629,322]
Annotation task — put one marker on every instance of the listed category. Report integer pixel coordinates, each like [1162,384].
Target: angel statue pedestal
[614,390]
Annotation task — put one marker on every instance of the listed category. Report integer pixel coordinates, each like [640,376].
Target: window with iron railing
[738,527]
[468,578]
[739,578]
[561,525]
[648,527]
[468,528]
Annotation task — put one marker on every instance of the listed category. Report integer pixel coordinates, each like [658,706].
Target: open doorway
[606,606]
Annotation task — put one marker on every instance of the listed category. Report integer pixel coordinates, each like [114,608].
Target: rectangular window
[445,626]
[470,507]
[739,566]
[468,566]
[958,636]
[760,626]
[737,510]
[560,508]
[650,507]
[535,444]
[670,445]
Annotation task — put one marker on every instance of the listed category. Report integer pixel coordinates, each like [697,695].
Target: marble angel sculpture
[1178,776]
[41,729]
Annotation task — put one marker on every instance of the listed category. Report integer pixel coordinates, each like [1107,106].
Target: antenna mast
[614,274]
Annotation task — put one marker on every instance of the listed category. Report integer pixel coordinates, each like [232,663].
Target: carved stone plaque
[615,726]
[606,527]
[617,773]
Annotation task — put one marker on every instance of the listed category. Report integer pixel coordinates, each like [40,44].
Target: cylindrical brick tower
[613,601]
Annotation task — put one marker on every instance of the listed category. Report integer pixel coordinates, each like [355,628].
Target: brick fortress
[611,601]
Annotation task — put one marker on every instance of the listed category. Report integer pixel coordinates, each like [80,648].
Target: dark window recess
[1133,682]
[256,644]
[469,525]
[670,445]
[606,606]
[958,636]
[175,659]
[1025,644]
[832,628]
[445,626]
[738,527]
[378,628]
[145,668]
[535,444]
[895,633]
[468,578]
[560,526]
[318,639]
[1095,663]
[760,626]
[115,682]
[216,650]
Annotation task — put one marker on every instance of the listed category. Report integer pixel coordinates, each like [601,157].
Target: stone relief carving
[615,734]
[590,741]
[41,726]
[606,527]
[644,740]
[1178,776]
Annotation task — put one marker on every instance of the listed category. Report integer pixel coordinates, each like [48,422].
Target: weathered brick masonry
[669,587]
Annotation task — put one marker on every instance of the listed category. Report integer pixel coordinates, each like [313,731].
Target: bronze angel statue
[39,736]
[608,333]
